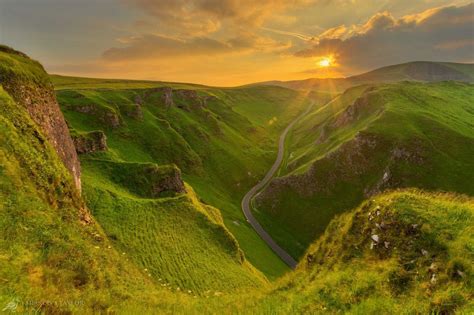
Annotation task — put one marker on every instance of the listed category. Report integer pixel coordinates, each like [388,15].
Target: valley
[128,195]
[206,132]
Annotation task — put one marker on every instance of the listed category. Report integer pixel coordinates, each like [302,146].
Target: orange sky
[233,42]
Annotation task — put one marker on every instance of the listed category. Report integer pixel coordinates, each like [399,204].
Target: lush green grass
[341,273]
[46,253]
[178,241]
[415,134]
[222,147]
[400,252]
[14,64]
[51,260]
[427,234]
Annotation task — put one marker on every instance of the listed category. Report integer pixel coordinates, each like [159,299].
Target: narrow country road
[246,207]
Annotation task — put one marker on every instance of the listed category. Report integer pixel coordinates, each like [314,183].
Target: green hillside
[48,251]
[52,250]
[418,71]
[371,138]
[139,239]
[403,252]
[223,140]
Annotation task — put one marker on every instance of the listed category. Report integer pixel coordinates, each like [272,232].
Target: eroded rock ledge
[94,141]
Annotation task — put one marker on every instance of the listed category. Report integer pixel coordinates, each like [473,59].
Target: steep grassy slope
[403,252]
[176,239]
[223,140]
[51,259]
[412,71]
[369,139]
[54,257]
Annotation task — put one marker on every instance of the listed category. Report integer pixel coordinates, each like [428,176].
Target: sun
[325,62]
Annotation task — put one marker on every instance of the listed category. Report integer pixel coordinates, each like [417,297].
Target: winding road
[246,207]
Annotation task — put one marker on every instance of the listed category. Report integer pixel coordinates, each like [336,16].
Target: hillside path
[246,207]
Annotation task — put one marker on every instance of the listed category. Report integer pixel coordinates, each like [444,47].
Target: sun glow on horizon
[325,62]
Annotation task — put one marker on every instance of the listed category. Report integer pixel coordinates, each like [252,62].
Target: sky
[234,42]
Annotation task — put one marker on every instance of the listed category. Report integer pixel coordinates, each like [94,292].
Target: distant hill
[423,71]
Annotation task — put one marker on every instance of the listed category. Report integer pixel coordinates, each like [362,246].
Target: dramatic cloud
[231,42]
[202,15]
[156,46]
[436,34]
[153,46]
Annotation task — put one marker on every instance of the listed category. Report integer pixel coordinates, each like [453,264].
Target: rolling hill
[423,71]
[402,252]
[223,140]
[369,139]
[134,228]
[152,231]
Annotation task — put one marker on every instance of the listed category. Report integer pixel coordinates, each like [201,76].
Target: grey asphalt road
[246,207]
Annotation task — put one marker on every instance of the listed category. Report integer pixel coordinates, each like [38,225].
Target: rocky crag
[38,97]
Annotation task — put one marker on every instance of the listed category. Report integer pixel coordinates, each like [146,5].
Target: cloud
[189,15]
[155,46]
[149,47]
[436,34]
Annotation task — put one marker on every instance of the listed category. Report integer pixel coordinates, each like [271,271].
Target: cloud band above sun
[231,42]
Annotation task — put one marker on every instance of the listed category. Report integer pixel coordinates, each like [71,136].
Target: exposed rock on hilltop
[106,115]
[90,142]
[408,247]
[355,111]
[146,180]
[162,182]
[28,84]
[181,98]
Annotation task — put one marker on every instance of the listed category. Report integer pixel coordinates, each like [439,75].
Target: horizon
[260,82]
[236,156]
[203,42]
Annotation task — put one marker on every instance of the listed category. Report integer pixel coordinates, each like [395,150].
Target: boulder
[90,142]
[169,182]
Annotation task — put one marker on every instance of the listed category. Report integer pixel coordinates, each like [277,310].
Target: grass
[176,240]
[415,134]
[427,233]
[404,251]
[52,261]
[46,254]
[235,133]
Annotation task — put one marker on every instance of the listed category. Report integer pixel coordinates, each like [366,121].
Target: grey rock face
[40,102]
[94,141]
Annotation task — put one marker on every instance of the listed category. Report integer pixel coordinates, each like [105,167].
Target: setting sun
[325,62]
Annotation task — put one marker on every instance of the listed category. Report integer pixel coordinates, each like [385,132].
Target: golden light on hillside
[325,62]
